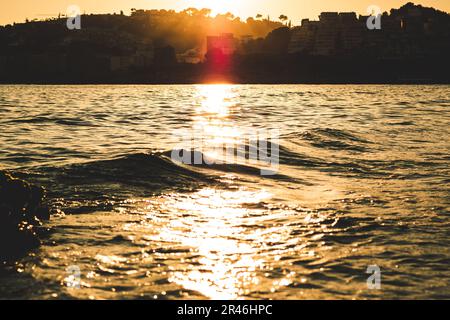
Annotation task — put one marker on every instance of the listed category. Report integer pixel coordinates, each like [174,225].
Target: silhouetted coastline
[412,46]
[280,70]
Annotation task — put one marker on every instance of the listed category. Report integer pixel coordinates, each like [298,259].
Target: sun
[216,6]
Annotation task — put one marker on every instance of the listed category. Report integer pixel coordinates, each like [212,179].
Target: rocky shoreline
[22,213]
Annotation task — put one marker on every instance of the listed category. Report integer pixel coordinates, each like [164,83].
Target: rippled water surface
[363,179]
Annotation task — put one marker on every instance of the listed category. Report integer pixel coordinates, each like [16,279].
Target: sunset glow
[220,6]
[19,10]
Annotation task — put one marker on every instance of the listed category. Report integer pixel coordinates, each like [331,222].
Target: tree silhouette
[205,12]
[229,15]
[191,11]
[283,18]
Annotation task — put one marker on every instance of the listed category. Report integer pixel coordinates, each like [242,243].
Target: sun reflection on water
[216,99]
[212,225]
[212,120]
[219,226]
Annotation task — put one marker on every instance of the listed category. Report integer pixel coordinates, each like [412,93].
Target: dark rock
[22,210]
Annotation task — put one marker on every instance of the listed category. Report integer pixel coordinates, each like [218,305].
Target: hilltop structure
[226,43]
[409,31]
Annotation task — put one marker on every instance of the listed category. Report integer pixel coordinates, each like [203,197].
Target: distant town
[412,44]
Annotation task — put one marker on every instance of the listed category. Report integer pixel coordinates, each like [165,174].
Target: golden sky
[19,10]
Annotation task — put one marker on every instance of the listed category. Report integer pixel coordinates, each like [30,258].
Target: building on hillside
[143,57]
[327,34]
[334,33]
[191,56]
[303,37]
[246,39]
[226,43]
[350,32]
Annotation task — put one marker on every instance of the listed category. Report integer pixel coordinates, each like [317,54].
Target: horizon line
[62,15]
